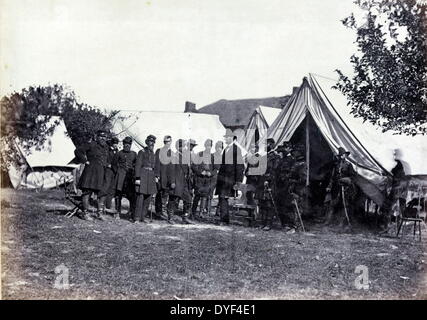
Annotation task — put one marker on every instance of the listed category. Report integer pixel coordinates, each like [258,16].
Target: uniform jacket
[230,171]
[163,170]
[202,183]
[180,175]
[99,159]
[124,167]
[144,171]
[270,176]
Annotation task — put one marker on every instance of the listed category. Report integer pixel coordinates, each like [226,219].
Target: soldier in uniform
[180,187]
[108,188]
[145,179]
[95,156]
[284,197]
[230,175]
[202,174]
[253,159]
[297,186]
[266,186]
[124,167]
[163,162]
[341,186]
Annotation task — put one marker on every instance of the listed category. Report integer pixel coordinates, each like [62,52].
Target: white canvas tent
[316,105]
[48,166]
[179,125]
[259,122]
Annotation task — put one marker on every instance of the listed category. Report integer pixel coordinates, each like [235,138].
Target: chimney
[190,107]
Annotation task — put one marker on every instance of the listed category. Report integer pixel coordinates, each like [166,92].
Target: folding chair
[73,197]
[408,216]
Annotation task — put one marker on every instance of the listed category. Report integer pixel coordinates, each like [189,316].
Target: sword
[345,205]
[298,213]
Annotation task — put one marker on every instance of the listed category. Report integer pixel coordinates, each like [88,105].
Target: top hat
[342,151]
[127,140]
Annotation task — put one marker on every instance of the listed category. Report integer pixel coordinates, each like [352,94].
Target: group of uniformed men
[279,188]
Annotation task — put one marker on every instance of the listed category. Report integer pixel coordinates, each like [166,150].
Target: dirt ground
[115,259]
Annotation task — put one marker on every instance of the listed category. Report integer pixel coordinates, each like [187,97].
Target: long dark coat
[269,176]
[124,167]
[180,175]
[203,183]
[144,170]
[92,177]
[230,172]
[343,174]
[162,170]
[108,185]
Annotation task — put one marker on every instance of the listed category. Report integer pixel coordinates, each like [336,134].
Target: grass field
[120,260]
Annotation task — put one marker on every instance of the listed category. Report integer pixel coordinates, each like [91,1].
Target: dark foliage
[389,85]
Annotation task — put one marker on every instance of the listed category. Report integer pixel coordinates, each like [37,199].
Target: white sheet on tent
[139,124]
[58,150]
[48,167]
[40,178]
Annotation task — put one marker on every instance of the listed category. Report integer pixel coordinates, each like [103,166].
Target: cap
[127,140]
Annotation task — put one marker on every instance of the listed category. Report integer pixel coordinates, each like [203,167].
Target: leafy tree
[26,117]
[389,85]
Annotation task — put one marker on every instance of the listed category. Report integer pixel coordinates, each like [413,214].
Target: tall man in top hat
[341,186]
[124,166]
[145,179]
[163,163]
[95,156]
[230,175]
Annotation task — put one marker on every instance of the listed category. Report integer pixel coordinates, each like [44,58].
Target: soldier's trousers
[86,193]
[267,212]
[142,205]
[173,204]
[118,199]
[203,201]
[161,202]
[224,213]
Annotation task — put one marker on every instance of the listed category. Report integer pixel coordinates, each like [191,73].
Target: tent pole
[307,146]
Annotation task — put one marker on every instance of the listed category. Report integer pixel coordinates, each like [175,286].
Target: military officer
[124,167]
[297,186]
[108,188]
[145,179]
[95,156]
[266,186]
[284,197]
[341,186]
[202,173]
[163,163]
[180,187]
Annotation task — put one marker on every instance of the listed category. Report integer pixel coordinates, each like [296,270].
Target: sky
[157,54]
